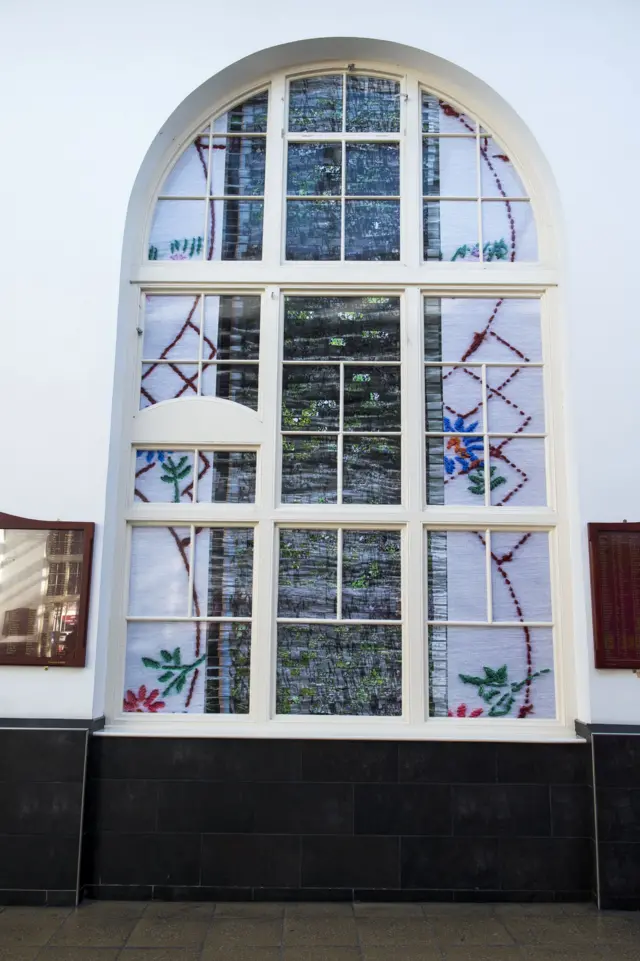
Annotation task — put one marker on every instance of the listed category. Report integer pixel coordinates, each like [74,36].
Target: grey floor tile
[320,909]
[250,932]
[470,931]
[78,954]
[180,910]
[88,931]
[402,952]
[610,929]
[446,909]
[312,932]
[545,930]
[326,952]
[167,933]
[387,910]
[15,953]
[249,909]
[30,927]
[113,909]
[159,954]
[474,952]
[393,931]
[568,952]
[240,952]
[543,910]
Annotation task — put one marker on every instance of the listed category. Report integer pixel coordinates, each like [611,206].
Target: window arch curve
[342,498]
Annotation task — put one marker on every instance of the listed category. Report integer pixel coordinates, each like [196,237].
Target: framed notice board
[45,572]
[614,552]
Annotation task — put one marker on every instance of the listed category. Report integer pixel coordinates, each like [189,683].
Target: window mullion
[274,175]
[411,178]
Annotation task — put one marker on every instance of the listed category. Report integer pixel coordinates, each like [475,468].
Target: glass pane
[373,104]
[498,176]
[165,668]
[171,328]
[372,230]
[331,328]
[449,166]
[167,382]
[309,470]
[308,573]
[371,575]
[248,117]
[515,400]
[491,672]
[236,382]
[223,581]
[457,588]
[315,104]
[314,168]
[518,476]
[164,476]
[353,669]
[177,230]
[454,400]
[313,230]
[231,328]
[372,398]
[371,471]
[520,576]
[227,476]
[451,230]
[188,176]
[373,168]
[310,398]
[438,116]
[238,166]
[159,578]
[455,470]
[227,668]
[241,230]
[482,330]
[509,231]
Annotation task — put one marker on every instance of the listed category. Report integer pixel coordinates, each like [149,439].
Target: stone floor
[137,931]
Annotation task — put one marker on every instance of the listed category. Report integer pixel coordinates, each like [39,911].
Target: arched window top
[339,151]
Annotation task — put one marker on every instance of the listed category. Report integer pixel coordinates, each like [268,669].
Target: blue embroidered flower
[152,455]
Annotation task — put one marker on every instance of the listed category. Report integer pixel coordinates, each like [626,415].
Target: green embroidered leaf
[165,677]
[182,680]
[503,706]
[176,656]
[149,662]
[166,655]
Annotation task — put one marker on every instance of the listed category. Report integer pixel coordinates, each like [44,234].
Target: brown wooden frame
[77,656]
[607,659]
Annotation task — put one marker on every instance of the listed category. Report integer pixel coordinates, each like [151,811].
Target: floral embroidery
[180,249]
[495,684]
[154,455]
[466,459]
[142,703]
[174,473]
[461,711]
[172,669]
[496,250]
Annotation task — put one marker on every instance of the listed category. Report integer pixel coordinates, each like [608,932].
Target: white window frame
[168,425]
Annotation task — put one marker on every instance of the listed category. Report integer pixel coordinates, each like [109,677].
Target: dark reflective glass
[372,398]
[371,575]
[371,471]
[334,328]
[250,116]
[314,169]
[229,563]
[231,327]
[227,668]
[373,104]
[373,169]
[236,382]
[313,230]
[308,571]
[227,476]
[244,164]
[315,104]
[242,230]
[310,398]
[309,470]
[372,230]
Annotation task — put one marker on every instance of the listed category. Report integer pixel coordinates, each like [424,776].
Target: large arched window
[341,510]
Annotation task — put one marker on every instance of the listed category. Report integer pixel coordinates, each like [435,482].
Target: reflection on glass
[451,231]
[307,573]
[373,104]
[372,399]
[371,575]
[373,168]
[310,398]
[227,668]
[334,669]
[250,116]
[438,116]
[313,230]
[236,382]
[314,169]
[227,476]
[231,327]
[371,471]
[224,568]
[315,104]
[335,328]
[309,470]
[244,165]
[372,230]
[241,231]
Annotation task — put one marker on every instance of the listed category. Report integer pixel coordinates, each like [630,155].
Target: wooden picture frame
[45,577]
[614,554]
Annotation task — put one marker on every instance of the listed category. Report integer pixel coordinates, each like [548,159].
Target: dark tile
[616,760]
[303,808]
[402,809]
[446,762]
[401,897]
[449,863]
[544,763]
[121,805]
[27,755]
[31,898]
[61,899]
[608,903]
[618,814]
[619,868]
[143,859]
[307,895]
[514,810]
[571,811]
[206,806]
[41,807]
[245,860]
[350,862]
[349,761]
[38,861]
[205,759]
[199,892]
[118,892]
[548,864]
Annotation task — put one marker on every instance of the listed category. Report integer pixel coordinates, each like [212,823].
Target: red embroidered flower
[461,711]
[142,703]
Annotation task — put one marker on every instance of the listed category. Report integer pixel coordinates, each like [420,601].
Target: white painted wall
[84,90]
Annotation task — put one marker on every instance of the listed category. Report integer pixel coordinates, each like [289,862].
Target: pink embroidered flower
[461,711]
[142,703]
[178,257]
